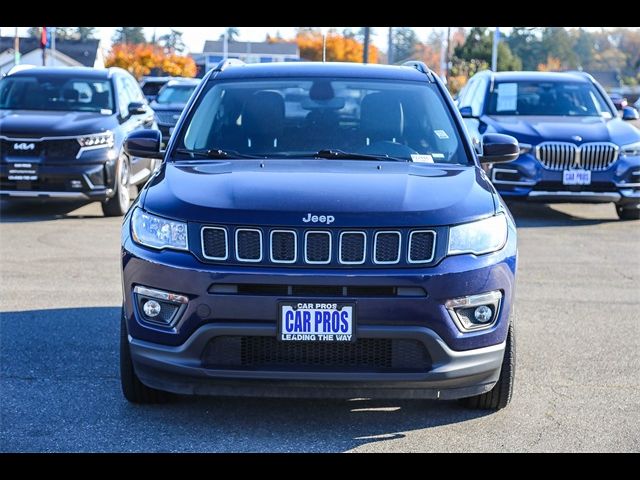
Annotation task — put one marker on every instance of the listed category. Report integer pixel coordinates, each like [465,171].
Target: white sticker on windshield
[418,158]
[105,111]
[441,134]
[507,97]
[437,155]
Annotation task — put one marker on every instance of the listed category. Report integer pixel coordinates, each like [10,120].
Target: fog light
[475,312]
[151,308]
[483,314]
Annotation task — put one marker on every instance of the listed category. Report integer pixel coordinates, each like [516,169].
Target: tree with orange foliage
[142,59]
[339,48]
[553,64]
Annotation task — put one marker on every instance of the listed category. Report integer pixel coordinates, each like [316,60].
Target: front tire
[500,395]
[133,389]
[118,205]
[629,213]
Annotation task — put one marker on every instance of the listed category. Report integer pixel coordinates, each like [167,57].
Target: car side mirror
[137,108]
[143,143]
[466,112]
[497,148]
[630,113]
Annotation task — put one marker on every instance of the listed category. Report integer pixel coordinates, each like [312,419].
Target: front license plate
[23,171]
[576,177]
[316,322]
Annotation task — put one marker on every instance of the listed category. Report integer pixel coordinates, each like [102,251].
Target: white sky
[194,37]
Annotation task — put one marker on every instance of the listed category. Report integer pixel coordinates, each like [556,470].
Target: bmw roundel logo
[576,138]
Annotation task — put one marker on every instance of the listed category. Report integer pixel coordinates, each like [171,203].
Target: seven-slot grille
[588,156]
[317,247]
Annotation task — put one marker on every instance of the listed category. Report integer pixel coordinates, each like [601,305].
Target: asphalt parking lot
[577,382]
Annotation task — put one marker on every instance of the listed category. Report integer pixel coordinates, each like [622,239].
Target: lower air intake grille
[373,354]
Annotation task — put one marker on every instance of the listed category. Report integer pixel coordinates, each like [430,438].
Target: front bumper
[173,358]
[452,374]
[91,177]
[526,179]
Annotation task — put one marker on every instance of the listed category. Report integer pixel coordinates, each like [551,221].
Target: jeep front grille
[330,247]
[566,156]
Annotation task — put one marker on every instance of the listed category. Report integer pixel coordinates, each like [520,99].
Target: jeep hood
[356,193]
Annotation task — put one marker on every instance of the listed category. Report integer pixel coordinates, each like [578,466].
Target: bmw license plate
[576,177]
[313,321]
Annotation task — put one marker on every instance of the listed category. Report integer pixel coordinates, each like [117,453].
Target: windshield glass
[579,99]
[175,94]
[56,93]
[280,118]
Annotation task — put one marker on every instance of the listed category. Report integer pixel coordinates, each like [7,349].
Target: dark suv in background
[170,102]
[573,145]
[152,85]
[62,131]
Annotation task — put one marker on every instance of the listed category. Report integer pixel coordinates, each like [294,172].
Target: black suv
[170,102]
[61,135]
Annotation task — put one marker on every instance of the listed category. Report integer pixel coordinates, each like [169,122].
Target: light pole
[365,53]
[390,47]
[494,49]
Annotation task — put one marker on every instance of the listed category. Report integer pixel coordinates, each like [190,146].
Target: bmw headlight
[97,140]
[631,150]
[157,232]
[479,237]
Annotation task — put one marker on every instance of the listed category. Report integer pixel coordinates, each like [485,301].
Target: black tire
[500,395]
[632,213]
[118,205]
[133,389]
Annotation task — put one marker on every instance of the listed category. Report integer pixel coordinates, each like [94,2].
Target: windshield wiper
[215,153]
[332,154]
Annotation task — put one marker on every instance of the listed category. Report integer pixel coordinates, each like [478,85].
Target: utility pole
[494,49]
[365,53]
[447,54]
[16,48]
[225,44]
[390,47]
[53,46]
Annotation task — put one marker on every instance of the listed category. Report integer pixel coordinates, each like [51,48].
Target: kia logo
[24,146]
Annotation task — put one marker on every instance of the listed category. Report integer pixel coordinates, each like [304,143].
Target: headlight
[158,232]
[524,148]
[479,237]
[104,139]
[631,150]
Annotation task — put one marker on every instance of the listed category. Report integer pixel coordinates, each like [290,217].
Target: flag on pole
[43,38]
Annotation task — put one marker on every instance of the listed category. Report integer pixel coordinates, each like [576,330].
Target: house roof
[82,51]
[277,48]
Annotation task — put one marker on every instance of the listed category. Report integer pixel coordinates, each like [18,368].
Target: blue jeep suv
[573,146]
[319,229]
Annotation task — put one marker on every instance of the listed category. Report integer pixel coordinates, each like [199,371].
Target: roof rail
[229,62]
[421,67]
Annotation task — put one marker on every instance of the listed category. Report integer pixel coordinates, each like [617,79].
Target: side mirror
[137,108]
[466,112]
[630,113]
[497,147]
[143,144]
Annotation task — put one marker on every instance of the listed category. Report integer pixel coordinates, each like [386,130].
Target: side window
[123,96]
[477,99]
[466,98]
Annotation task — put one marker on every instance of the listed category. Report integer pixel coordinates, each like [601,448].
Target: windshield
[579,99]
[56,93]
[281,118]
[175,94]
